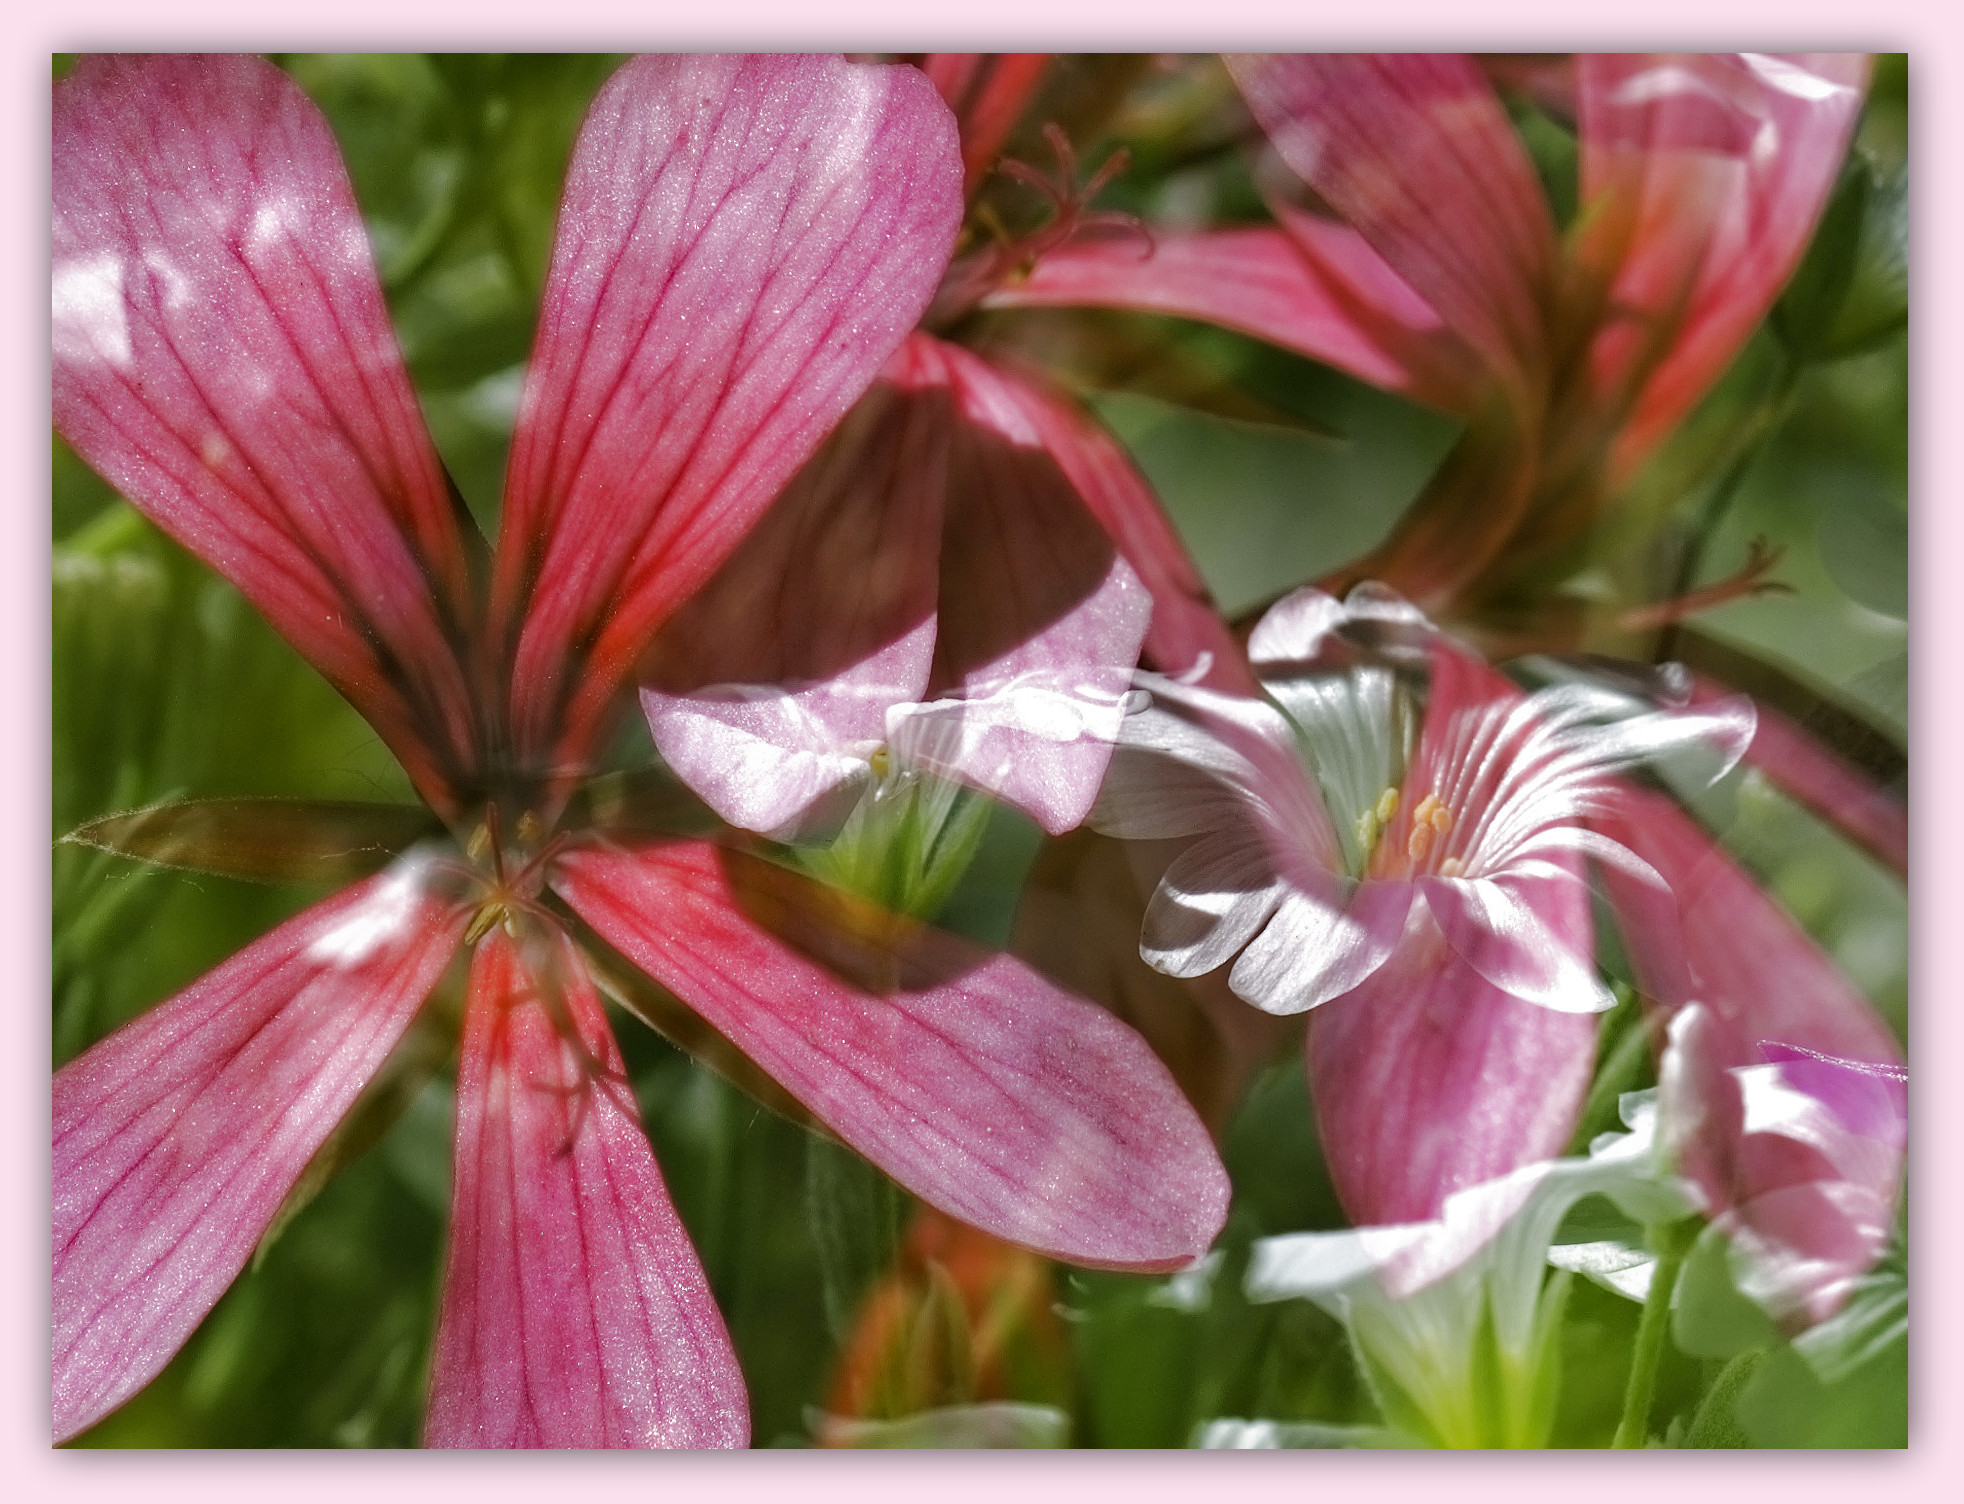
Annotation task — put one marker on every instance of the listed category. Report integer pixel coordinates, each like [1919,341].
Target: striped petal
[1415,152]
[743,241]
[223,357]
[968,1078]
[575,1313]
[177,1138]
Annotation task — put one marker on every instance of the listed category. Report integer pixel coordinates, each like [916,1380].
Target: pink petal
[1798,1163]
[743,241]
[1318,289]
[1705,175]
[1415,152]
[177,1138]
[1427,1079]
[1186,627]
[1829,784]
[224,358]
[574,1311]
[1731,947]
[987,92]
[769,688]
[975,1083]
[1041,618]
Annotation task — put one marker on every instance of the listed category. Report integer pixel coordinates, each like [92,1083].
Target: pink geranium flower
[743,241]
[1411,869]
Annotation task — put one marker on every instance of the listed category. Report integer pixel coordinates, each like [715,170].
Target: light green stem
[1632,1430]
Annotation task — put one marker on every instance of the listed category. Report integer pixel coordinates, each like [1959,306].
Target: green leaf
[856,1215]
[264,840]
[1712,1319]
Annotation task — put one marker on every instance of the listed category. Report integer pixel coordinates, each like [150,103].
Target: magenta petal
[1706,174]
[574,1311]
[1041,618]
[1415,152]
[743,241]
[1320,291]
[177,1138]
[770,687]
[1186,629]
[223,356]
[992,1094]
[1427,1079]
[1732,947]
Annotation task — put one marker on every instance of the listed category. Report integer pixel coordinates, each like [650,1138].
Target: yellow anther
[878,761]
[1368,829]
[479,845]
[1441,818]
[1387,806]
[482,921]
[1420,840]
[1452,866]
[530,828]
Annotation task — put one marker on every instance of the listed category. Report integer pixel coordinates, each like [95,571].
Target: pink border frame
[1937,1415]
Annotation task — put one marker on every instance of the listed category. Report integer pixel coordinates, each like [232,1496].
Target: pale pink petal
[1732,947]
[1213,898]
[1428,1080]
[743,241]
[1041,617]
[772,685]
[973,1082]
[575,1313]
[1798,1162]
[1318,289]
[1703,176]
[1186,630]
[177,1138]
[1416,154]
[223,356]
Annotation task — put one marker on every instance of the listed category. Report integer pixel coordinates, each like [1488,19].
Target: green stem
[1754,433]
[1635,1425]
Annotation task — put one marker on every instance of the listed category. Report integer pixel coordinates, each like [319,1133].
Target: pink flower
[960,581]
[1441,276]
[743,241]
[1414,875]
[1789,1091]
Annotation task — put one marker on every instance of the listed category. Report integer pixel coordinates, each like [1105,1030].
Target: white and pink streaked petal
[1427,1079]
[743,242]
[1211,901]
[574,1311]
[177,1138]
[1519,933]
[1321,944]
[973,1082]
[223,356]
